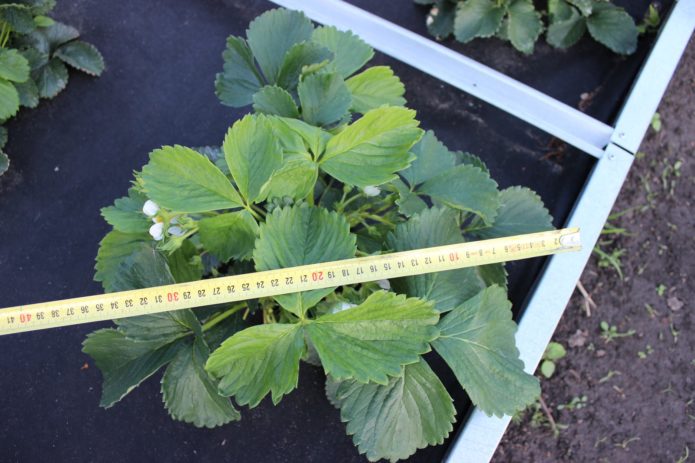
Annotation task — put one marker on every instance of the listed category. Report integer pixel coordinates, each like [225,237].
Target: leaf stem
[221,316]
[259,210]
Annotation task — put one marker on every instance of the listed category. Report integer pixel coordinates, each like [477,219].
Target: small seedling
[577,403]
[683,458]
[656,122]
[660,290]
[554,352]
[624,444]
[610,332]
[648,350]
[609,375]
[650,22]
[650,310]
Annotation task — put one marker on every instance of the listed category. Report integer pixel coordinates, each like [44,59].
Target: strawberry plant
[34,52]
[330,166]
[519,22]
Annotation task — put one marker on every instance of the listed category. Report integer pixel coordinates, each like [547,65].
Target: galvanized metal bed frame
[614,147]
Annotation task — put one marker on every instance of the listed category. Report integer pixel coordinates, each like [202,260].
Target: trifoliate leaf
[35,58]
[477,342]
[252,154]
[258,360]
[298,58]
[125,363]
[239,79]
[114,249]
[324,98]
[374,87]
[295,179]
[565,33]
[434,227]
[126,213]
[183,180]
[392,421]
[613,27]
[82,56]
[28,93]
[371,150]
[185,264]
[524,25]
[440,21]
[466,188]
[298,236]
[477,18]
[13,66]
[9,99]
[350,52]
[296,136]
[229,236]
[431,159]
[275,100]
[18,17]
[4,163]
[51,79]
[272,34]
[408,201]
[521,211]
[57,34]
[190,395]
[374,340]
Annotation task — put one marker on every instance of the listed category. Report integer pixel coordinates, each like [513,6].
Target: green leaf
[471,160]
[374,340]
[493,274]
[57,34]
[613,27]
[432,158]
[114,249]
[350,52]
[440,21]
[298,137]
[585,6]
[434,227]
[302,235]
[559,10]
[43,21]
[51,79]
[408,202]
[183,180]
[324,98]
[259,360]
[82,56]
[524,26]
[554,351]
[9,100]
[521,211]
[239,79]
[565,33]
[28,93]
[371,150]
[252,154]
[229,236]
[190,395]
[297,59]
[477,18]
[392,421]
[185,264]
[275,100]
[143,267]
[477,342]
[272,34]
[295,179]
[125,363]
[13,66]
[126,213]
[374,87]
[18,17]
[548,368]
[466,188]
[4,163]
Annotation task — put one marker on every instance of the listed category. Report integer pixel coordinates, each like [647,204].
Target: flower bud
[176,231]
[150,208]
[157,231]
[384,284]
[372,191]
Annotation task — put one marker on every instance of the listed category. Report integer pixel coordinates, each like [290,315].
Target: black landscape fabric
[75,154]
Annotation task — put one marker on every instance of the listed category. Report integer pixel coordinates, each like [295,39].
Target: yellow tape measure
[288,280]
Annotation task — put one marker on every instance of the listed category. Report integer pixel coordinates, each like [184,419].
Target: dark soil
[639,389]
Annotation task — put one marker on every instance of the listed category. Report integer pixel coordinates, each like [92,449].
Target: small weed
[643,354]
[624,444]
[674,332]
[577,403]
[610,332]
[661,289]
[684,457]
[555,351]
[609,375]
[650,22]
[656,122]
[650,310]
[669,175]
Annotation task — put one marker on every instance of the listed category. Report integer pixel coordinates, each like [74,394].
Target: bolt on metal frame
[614,147]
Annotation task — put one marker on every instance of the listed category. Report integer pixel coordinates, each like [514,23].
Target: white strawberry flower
[372,191]
[157,231]
[384,284]
[340,306]
[150,208]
